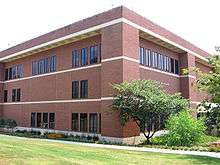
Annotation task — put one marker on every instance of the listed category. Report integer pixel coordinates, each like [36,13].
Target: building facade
[62,79]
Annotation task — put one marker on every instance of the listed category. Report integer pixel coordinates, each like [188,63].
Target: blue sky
[195,20]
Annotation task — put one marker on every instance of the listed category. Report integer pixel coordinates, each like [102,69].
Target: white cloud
[196,21]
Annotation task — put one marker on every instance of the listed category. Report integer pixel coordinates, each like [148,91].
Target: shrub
[160,140]
[7,123]
[184,130]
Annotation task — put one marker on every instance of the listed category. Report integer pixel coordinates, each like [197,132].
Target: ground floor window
[75,122]
[43,120]
[100,123]
[86,122]
[93,122]
[51,120]
[33,119]
[83,122]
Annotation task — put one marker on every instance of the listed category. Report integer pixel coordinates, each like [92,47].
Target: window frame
[84,89]
[75,122]
[93,54]
[5,96]
[75,89]
[148,57]
[141,55]
[84,56]
[93,122]
[83,122]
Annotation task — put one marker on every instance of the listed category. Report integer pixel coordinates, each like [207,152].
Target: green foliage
[184,130]
[144,102]
[7,123]
[209,82]
[160,140]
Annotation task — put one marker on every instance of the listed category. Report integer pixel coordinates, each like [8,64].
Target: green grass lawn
[21,152]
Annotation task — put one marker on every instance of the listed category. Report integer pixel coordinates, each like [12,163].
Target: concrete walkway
[141,149]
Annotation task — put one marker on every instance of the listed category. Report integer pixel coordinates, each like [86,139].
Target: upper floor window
[148,57]
[16,95]
[44,66]
[160,61]
[141,54]
[155,59]
[5,96]
[100,52]
[172,66]
[41,66]
[75,89]
[14,72]
[53,63]
[176,67]
[84,56]
[75,58]
[93,54]
[34,68]
[84,89]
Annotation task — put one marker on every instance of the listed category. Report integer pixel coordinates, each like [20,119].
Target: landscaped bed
[157,142]
[20,151]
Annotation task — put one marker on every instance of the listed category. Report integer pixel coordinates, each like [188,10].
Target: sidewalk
[141,149]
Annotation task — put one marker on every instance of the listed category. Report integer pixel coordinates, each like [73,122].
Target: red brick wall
[118,40]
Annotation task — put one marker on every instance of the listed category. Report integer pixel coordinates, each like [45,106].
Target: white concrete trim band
[160,71]
[119,58]
[119,20]
[59,101]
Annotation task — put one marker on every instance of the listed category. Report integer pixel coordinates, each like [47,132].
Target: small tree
[210,83]
[184,130]
[144,102]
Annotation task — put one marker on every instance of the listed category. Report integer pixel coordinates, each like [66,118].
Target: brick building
[61,80]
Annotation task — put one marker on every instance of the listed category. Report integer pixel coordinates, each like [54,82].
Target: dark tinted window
[75,89]
[83,122]
[172,65]
[6,74]
[75,125]
[45,120]
[46,65]
[93,54]
[33,119]
[51,120]
[84,56]
[13,95]
[18,95]
[38,120]
[41,66]
[84,89]
[19,71]
[5,96]
[148,57]
[176,67]
[75,58]
[53,63]
[34,68]
[10,74]
[141,55]
[93,122]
